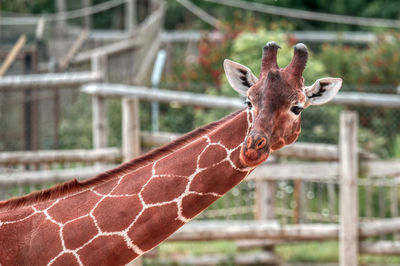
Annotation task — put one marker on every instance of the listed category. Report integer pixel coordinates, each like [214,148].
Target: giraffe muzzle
[255,149]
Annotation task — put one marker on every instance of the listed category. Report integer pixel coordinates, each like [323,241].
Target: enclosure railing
[54,166]
[332,167]
[345,171]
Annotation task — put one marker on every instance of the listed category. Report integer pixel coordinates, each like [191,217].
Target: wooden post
[61,19]
[99,64]
[265,200]
[130,128]
[87,19]
[130,15]
[99,108]
[265,204]
[348,229]
[99,120]
[40,29]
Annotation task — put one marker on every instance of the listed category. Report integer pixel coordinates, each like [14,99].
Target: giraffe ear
[239,77]
[322,91]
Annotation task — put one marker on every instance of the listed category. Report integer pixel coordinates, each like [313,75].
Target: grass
[197,248]
[309,252]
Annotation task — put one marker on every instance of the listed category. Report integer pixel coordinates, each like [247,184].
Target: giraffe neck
[116,221]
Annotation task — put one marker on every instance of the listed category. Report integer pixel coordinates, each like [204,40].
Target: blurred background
[49,132]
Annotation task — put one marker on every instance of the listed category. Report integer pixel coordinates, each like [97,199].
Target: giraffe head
[276,100]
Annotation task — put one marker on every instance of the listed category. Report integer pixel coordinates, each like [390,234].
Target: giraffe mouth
[255,150]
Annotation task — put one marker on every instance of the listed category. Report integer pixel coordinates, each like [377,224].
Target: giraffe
[118,215]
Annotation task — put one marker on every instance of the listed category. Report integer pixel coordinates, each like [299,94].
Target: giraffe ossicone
[119,215]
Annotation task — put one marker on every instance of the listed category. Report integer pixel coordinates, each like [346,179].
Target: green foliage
[377,64]
[28,6]
[380,63]
[176,118]
[179,17]
[197,248]
[396,147]
[320,124]
[328,251]
[375,68]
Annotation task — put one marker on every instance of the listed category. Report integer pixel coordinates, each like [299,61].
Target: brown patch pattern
[77,233]
[116,214]
[97,252]
[150,228]
[115,221]
[193,204]
[163,189]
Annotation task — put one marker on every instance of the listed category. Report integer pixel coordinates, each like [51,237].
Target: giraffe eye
[296,110]
[248,103]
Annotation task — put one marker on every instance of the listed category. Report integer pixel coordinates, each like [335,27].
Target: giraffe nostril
[261,143]
[255,149]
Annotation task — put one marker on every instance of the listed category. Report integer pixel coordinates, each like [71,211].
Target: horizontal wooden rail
[377,168]
[301,36]
[299,150]
[333,36]
[109,49]
[380,227]
[321,171]
[317,151]
[193,35]
[221,102]
[57,156]
[234,230]
[108,35]
[190,36]
[312,171]
[380,247]
[166,96]
[49,81]
[367,99]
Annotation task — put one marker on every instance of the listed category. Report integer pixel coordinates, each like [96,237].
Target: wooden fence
[346,169]
[336,164]
[333,164]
